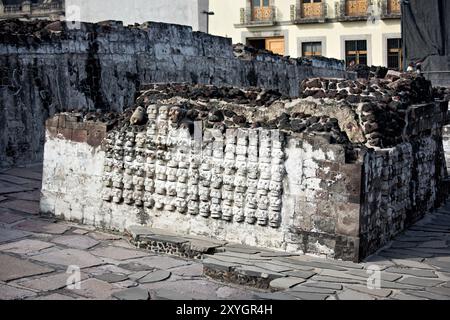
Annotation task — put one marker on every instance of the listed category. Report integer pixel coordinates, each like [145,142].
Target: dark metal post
[208,13]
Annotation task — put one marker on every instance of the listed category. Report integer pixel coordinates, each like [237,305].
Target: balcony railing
[12,8]
[390,9]
[352,10]
[312,12]
[16,11]
[258,16]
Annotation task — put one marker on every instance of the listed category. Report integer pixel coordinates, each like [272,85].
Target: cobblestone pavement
[36,255]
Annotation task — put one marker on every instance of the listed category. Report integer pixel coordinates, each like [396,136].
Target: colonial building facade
[31,9]
[357,31]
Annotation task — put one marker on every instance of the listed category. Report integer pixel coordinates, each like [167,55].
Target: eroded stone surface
[69,257]
[13,268]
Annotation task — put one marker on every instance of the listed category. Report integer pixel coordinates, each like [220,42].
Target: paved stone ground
[35,254]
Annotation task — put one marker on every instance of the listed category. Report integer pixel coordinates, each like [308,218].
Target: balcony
[258,17]
[352,10]
[32,10]
[391,9]
[312,12]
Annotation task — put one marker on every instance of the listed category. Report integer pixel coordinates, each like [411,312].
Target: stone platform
[35,252]
[322,175]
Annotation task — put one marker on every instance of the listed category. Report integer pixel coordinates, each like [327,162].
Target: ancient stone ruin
[49,67]
[337,172]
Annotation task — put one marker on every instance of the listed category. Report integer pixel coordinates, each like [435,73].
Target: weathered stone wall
[403,183]
[252,186]
[218,167]
[48,68]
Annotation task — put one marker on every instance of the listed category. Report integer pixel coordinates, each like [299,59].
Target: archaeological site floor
[36,251]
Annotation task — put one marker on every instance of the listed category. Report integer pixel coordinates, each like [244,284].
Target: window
[394,54]
[356,52]
[311,49]
[260,3]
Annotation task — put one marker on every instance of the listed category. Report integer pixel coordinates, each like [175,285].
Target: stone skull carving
[152,111]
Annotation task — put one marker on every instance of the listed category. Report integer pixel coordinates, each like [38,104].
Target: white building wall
[184,12]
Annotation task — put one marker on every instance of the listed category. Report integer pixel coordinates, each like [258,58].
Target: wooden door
[276,45]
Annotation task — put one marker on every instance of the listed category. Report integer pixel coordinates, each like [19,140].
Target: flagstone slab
[95,289]
[381,293]
[192,270]
[161,262]
[76,241]
[156,276]
[7,189]
[102,236]
[422,282]
[7,235]
[13,293]
[25,173]
[42,226]
[132,294]
[69,257]
[13,179]
[118,253]
[413,272]
[30,196]
[26,246]
[31,207]
[12,268]
[54,297]
[9,217]
[52,282]
[112,277]
[285,283]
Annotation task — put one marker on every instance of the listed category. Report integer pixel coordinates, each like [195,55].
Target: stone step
[161,241]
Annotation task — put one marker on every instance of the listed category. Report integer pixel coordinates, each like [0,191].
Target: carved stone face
[149,202]
[140,140]
[227,213]
[107,195]
[251,201]
[205,208]
[160,187]
[216,193]
[263,203]
[276,187]
[263,217]
[204,194]
[175,114]
[128,196]
[171,189]
[149,185]
[152,111]
[263,186]
[163,113]
[117,195]
[250,215]
[181,190]
[159,202]
[193,207]
[238,214]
